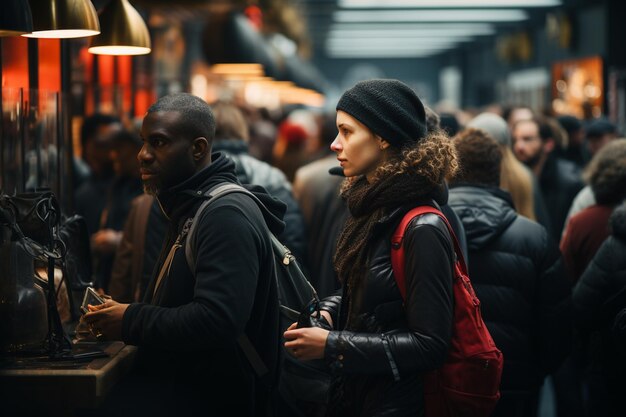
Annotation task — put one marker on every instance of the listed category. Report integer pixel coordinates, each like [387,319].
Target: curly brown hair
[432,158]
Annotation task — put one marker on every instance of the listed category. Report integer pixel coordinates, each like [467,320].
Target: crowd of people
[538,203]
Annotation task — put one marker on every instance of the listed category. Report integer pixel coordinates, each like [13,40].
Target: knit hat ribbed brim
[389,108]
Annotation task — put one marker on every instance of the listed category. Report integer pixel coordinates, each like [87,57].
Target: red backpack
[468,382]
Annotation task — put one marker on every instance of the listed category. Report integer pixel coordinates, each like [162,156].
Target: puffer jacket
[250,170]
[598,297]
[517,272]
[378,358]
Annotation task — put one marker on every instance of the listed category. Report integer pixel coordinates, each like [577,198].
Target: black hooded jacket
[187,332]
[517,272]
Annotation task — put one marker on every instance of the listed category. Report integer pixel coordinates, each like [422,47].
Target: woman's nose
[336,145]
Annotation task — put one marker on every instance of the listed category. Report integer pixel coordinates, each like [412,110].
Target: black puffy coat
[517,272]
[598,296]
[187,332]
[378,358]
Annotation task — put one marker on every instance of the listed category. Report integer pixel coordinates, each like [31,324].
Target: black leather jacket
[378,358]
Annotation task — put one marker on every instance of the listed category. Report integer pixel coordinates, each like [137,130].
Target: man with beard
[559,179]
[190,326]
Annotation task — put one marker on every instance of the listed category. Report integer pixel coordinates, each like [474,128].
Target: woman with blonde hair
[380,343]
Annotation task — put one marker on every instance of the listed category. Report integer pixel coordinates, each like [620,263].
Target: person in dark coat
[146,228]
[598,297]
[517,273]
[560,180]
[379,346]
[189,360]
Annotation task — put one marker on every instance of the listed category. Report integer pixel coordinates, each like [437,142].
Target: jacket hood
[618,221]
[272,208]
[485,212]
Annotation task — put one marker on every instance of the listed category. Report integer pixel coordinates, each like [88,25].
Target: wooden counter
[62,386]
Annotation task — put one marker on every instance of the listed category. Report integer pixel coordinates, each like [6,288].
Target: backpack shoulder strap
[243,341]
[397,245]
[211,195]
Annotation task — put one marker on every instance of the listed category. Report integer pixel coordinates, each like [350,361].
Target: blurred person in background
[575,150]
[125,187]
[586,230]
[290,149]
[514,114]
[95,136]
[599,133]
[515,177]
[534,144]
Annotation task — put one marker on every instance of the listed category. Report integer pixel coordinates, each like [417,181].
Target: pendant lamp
[123,31]
[59,19]
[15,18]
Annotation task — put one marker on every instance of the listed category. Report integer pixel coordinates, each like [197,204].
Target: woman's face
[358,149]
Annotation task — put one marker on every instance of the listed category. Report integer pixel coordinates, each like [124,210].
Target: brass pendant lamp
[124,32]
[57,19]
[15,18]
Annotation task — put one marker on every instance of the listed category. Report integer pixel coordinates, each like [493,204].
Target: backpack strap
[211,195]
[397,246]
[243,340]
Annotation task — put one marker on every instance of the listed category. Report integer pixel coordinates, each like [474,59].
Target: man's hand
[105,320]
[306,343]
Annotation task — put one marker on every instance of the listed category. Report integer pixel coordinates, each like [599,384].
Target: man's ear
[549,145]
[200,148]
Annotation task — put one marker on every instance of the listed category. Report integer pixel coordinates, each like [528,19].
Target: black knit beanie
[389,108]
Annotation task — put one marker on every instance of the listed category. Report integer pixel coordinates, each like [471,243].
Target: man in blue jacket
[189,360]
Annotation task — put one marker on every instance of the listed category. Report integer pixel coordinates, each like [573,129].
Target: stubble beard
[151,189]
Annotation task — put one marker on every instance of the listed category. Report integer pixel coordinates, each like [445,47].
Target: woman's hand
[307,343]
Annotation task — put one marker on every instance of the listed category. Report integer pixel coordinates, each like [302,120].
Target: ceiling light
[382,48]
[15,18]
[251,70]
[409,33]
[59,19]
[393,43]
[124,31]
[439,4]
[383,54]
[487,15]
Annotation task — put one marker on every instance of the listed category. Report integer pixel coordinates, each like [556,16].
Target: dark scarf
[368,204]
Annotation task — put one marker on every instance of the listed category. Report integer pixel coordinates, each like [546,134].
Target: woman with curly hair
[379,347]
